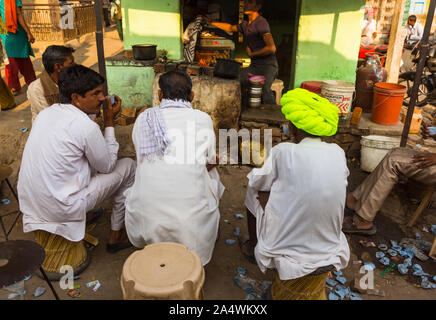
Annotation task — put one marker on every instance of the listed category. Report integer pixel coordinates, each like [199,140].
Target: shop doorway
[282,15]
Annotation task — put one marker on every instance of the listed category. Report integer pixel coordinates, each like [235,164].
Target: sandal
[243,244]
[115,247]
[350,227]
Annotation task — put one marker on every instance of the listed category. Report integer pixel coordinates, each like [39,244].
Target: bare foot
[351,201]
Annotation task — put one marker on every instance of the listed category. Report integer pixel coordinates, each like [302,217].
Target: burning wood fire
[203,63]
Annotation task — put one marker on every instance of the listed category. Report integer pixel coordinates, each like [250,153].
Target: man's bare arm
[270,47]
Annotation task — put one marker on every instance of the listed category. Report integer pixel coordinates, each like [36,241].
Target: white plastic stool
[163,271]
[277,86]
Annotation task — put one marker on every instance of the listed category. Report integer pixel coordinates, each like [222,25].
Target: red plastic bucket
[387,102]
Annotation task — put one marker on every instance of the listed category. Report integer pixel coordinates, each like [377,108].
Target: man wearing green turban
[295,203]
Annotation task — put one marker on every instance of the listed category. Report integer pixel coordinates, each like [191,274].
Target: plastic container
[366,77]
[312,86]
[339,93]
[415,125]
[374,149]
[357,113]
[388,99]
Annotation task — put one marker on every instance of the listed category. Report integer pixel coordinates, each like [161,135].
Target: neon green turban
[310,112]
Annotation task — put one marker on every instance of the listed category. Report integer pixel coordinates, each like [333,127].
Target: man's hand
[426,132]
[263,197]
[210,166]
[424,160]
[111,111]
[249,52]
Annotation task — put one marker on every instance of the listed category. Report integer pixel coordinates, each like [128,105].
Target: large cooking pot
[144,51]
[226,68]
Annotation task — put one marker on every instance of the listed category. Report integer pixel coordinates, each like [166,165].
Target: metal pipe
[99,40]
[419,69]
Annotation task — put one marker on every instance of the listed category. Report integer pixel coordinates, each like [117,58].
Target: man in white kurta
[69,167]
[175,198]
[299,230]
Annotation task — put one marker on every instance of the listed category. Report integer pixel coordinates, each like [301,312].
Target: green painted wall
[131,82]
[328,40]
[153,22]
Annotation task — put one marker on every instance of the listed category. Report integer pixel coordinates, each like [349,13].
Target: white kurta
[300,229]
[63,148]
[177,202]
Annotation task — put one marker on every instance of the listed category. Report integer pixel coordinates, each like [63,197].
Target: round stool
[163,271]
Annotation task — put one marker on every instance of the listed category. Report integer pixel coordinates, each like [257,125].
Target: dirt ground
[220,271]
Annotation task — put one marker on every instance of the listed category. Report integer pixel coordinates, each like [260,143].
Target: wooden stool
[422,206]
[277,87]
[5,173]
[163,271]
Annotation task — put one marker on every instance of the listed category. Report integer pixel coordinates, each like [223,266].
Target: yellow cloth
[7,100]
[310,112]
[60,251]
[304,288]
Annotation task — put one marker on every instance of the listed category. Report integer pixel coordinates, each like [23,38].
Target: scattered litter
[367,244]
[337,273]
[383,247]
[27,277]
[433,229]
[226,221]
[73,293]
[253,287]
[239,216]
[91,283]
[419,146]
[250,297]
[408,262]
[392,252]
[241,270]
[6,201]
[342,280]
[418,236]
[379,254]
[341,291]
[230,242]
[24,129]
[368,266]
[434,278]
[385,261]
[416,267]
[388,269]
[420,273]
[425,229]
[237,231]
[331,282]
[332,296]
[402,269]
[96,287]
[416,247]
[14,295]
[425,284]
[355,296]
[39,291]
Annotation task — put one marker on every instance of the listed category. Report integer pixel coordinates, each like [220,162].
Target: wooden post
[99,40]
[423,51]
[396,42]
